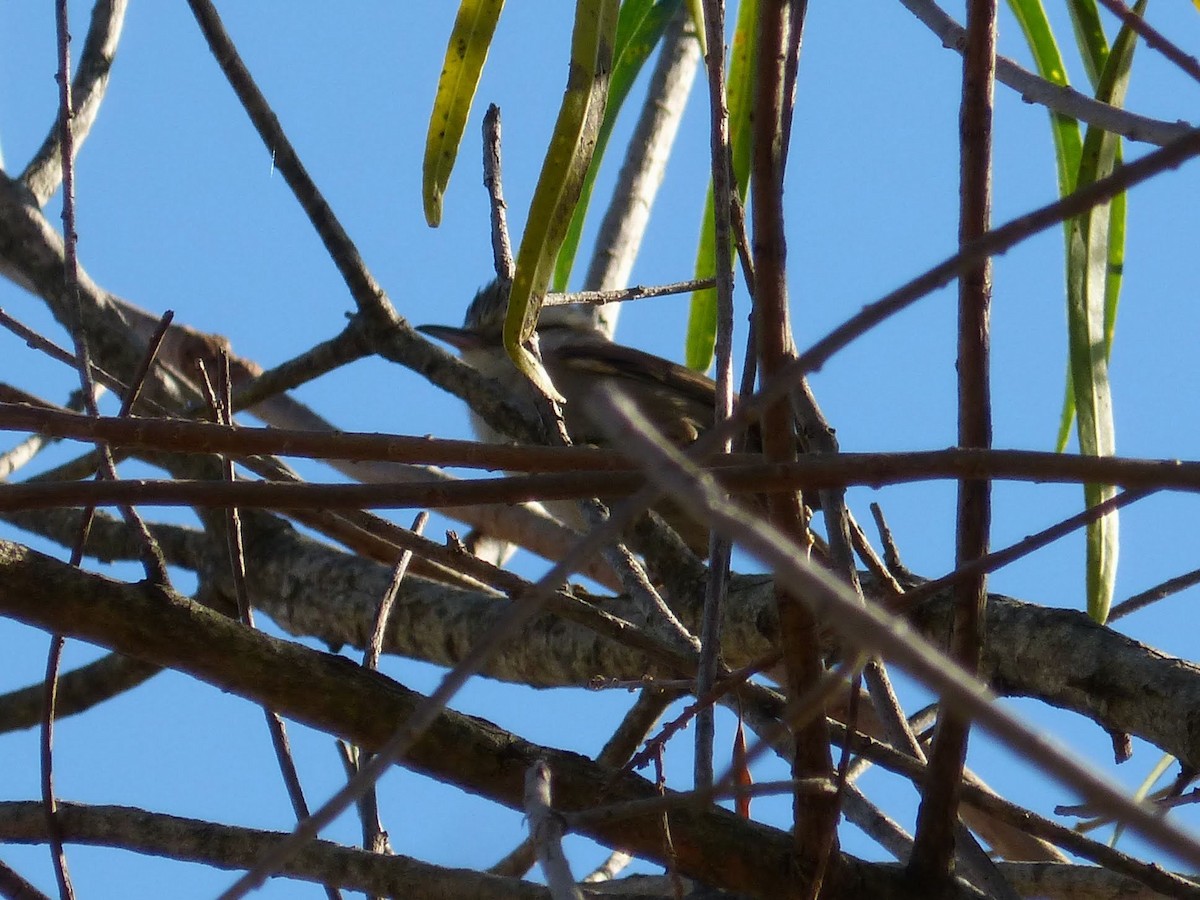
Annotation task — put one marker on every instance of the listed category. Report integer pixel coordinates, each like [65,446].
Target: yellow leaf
[466,53]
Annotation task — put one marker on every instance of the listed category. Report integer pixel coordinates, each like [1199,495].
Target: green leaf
[1143,791]
[1031,16]
[1089,37]
[1068,145]
[1093,406]
[1093,287]
[696,12]
[639,28]
[702,315]
[466,53]
[1095,252]
[567,159]
[1116,263]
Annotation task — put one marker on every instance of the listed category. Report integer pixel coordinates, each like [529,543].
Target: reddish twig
[932,860]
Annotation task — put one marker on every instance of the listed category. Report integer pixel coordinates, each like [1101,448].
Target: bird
[576,355]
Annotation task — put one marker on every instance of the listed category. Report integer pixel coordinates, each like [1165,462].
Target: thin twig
[719,550]
[388,601]
[220,400]
[375,838]
[348,346]
[915,596]
[370,298]
[502,255]
[634,292]
[635,725]
[138,381]
[932,860]
[870,559]
[46,758]
[1152,595]
[71,278]
[1154,38]
[43,344]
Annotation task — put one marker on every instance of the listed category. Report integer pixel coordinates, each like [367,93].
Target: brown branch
[738,471]
[370,298]
[502,255]
[184,436]
[994,243]
[1161,591]
[1154,38]
[1058,656]
[78,691]
[932,860]
[719,551]
[815,818]
[867,629]
[913,597]
[1151,875]
[813,471]
[233,847]
[326,692]
[13,886]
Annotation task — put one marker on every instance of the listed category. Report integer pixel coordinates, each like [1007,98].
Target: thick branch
[233,847]
[1056,655]
[332,694]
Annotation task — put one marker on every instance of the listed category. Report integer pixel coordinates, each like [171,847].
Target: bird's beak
[461,339]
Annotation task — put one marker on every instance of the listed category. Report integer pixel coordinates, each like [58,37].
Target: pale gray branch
[43,174]
[1056,98]
[625,220]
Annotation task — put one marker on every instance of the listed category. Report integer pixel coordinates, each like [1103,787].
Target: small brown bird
[576,355]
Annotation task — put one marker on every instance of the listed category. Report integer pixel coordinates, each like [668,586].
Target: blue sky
[179,208]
